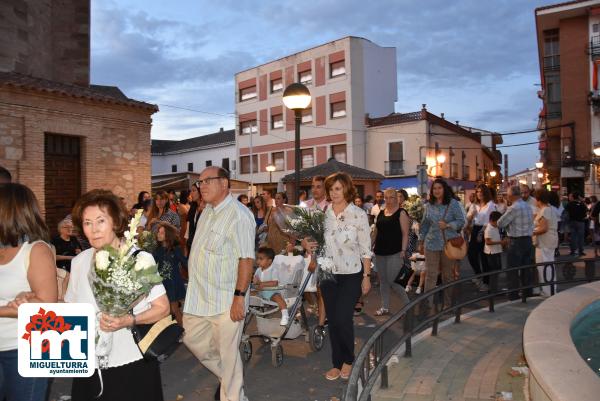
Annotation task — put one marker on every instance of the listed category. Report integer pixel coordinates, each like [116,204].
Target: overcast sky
[476,61]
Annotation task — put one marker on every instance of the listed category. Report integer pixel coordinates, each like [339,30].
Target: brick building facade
[59,135]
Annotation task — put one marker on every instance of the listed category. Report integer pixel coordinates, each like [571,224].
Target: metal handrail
[371,362]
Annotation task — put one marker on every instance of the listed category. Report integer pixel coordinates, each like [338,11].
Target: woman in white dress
[101,217]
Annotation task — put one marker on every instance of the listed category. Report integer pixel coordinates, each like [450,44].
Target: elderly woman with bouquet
[122,374]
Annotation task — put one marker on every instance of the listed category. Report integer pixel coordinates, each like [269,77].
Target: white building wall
[162,164]
[353,83]
[380,86]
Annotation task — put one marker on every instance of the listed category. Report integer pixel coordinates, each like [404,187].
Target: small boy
[417,262]
[266,277]
[493,249]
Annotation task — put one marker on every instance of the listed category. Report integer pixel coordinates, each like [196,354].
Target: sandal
[333,374]
[345,371]
[382,312]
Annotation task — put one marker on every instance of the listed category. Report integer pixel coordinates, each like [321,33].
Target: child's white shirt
[268,274]
[493,234]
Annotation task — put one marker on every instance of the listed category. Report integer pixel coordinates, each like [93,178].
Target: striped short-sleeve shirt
[224,235]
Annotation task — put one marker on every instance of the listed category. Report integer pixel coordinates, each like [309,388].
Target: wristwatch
[239,293]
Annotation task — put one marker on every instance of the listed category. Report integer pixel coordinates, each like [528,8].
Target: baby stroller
[294,280]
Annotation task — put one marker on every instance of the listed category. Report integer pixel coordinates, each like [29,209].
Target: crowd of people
[211,246]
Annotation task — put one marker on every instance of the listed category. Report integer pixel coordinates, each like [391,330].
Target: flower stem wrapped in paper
[120,279]
[310,223]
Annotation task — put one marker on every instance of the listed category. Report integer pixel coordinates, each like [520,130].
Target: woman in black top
[391,240]
[67,246]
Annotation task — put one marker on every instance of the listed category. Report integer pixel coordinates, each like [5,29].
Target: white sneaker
[407,288]
[418,291]
[285,319]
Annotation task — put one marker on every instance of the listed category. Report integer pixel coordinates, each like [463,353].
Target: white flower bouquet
[119,279]
[303,223]
[414,208]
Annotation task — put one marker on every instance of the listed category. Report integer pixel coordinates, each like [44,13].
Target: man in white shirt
[379,205]
[220,269]
[319,199]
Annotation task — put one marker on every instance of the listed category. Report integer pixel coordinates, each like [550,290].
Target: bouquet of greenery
[310,223]
[414,208]
[120,278]
[147,241]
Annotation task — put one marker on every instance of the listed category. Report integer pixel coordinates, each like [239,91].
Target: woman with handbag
[478,217]
[392,227]
[100,215]
[442,221]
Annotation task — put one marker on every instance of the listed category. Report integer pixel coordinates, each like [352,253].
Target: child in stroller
[265,277]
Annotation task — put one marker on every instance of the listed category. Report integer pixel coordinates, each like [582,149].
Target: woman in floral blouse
[443,217]
[347,240]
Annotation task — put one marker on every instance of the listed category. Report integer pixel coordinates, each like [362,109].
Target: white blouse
[482,214]
[124,349]
[347,238]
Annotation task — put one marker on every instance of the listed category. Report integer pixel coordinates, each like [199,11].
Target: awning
[399,183]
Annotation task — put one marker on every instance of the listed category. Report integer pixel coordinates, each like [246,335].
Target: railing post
[434,327]
[457,311]
[491,304]
[523,274]
[408,325]
[549,267]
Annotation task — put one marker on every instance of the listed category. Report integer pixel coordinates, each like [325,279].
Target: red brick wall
[115,141]
[574,76]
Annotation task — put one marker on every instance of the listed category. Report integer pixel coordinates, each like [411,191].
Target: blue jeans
[577,235]
[15,387]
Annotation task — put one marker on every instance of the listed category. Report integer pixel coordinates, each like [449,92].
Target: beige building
[59,135]
[397,144]
[348,78]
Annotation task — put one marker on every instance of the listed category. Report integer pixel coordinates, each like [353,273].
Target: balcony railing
[552,63]
[595,47]
[454,170]
[465,173]
[394,167]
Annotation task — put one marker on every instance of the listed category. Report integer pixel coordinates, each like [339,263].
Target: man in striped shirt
[220,271]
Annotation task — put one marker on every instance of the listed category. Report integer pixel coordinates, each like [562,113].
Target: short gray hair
[63,222]
[515,190]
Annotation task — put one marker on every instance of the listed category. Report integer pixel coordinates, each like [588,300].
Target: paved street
[301,375]
[470,361]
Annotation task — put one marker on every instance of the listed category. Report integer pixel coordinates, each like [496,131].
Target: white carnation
[143,261]
[102,260]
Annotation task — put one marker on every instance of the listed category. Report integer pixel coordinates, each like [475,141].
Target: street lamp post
[296,97]
[270,168]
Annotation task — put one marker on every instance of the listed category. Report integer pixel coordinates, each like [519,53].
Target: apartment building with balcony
[348,78]
[398,143]
[568,36]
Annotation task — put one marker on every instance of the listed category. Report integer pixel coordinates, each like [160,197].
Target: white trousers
[215,341]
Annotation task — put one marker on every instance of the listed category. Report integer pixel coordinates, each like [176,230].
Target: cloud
[476,61]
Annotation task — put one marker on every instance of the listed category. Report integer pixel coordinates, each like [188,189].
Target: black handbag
[404,274]
[159,340]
